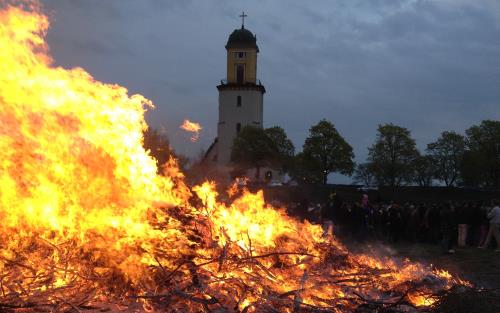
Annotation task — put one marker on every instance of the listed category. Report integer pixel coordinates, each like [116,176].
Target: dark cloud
[426,65]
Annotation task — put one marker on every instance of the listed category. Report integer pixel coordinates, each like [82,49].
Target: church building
[241,95]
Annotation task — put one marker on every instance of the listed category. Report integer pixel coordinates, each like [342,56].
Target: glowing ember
[192,127]
[88,223]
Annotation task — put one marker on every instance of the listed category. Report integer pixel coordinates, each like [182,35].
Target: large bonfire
[88,224]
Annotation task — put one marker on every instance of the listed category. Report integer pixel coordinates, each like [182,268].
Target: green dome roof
[242,38]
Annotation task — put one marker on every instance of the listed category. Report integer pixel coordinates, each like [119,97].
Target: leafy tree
[284,148]
[448,153]
[159,148]
[304,169]
[252,148]
[256,147]
[325,151]
[158,145]
[472,169]
[392,155]
[424,170]
[364,174]
[481,164]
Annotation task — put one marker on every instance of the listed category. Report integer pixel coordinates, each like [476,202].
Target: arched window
[238,127]
[238,101]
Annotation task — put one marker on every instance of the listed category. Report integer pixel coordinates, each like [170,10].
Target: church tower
[241,94]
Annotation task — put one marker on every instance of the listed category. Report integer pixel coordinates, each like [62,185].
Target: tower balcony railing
[225,82]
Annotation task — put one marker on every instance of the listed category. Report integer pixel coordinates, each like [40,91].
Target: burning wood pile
[88,225]
[301,270]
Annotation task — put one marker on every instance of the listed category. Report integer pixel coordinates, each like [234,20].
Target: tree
[304,169]
[472,169]
[255,148]
[364,174]
[159,148]
[392,155]
[325,151]
[252,148]
[481,166]
[424,170]
[448,153]
[158,145]
[284,148]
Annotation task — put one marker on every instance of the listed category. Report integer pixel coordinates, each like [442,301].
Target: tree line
[453,159]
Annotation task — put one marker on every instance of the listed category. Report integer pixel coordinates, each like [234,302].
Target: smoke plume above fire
[88,224]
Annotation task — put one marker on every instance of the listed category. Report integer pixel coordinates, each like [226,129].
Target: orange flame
[192,127]
[71,149]
[86,217]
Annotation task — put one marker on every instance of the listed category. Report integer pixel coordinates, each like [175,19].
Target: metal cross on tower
[243,15]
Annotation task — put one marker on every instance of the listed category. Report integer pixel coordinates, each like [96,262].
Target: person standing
[367,214]
[484,224]
[396,222]
[475,223]
[463,220]
[494,216]
[448,224]
[434,222]
[413,223]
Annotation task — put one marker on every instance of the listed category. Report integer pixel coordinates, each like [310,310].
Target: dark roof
[242,38]
[212,146]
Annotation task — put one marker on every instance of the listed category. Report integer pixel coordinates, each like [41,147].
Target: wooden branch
[69,303]
[277,253]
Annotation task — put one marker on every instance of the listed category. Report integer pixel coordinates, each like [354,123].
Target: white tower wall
[249,112]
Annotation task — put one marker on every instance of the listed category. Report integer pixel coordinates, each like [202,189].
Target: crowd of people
[474,223]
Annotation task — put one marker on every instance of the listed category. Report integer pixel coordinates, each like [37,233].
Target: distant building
[241,95]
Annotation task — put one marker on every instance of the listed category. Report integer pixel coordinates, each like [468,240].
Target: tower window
[240,55]
[238,127]
[240,73]
[238,101]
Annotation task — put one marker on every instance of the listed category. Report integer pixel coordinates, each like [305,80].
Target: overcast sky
[426,65]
